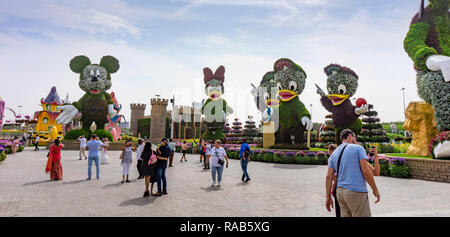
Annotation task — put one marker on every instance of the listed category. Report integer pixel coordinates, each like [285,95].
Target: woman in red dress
[54,161]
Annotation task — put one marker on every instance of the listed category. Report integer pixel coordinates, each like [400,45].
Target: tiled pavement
[276,190]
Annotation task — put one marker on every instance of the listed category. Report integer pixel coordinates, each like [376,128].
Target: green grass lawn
[404,155]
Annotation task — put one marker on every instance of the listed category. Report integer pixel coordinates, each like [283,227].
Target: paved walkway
[276,190]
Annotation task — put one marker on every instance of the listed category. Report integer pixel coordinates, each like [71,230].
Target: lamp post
[404,105]
[172,101]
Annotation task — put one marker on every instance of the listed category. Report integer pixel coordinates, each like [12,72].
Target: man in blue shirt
[245,155]
[93,146]
[353,173]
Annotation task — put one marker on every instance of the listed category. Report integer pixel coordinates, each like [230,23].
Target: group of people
[348,168]
[348,172]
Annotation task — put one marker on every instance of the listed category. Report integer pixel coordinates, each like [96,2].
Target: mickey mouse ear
[78,63]
[110,63]
[207,74]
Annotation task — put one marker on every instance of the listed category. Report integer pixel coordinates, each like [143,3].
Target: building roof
[52,97]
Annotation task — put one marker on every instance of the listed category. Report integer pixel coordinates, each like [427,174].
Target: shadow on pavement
[140,201]
[211,188]
[75,181]
[37,182]
[292,166]
[242,183]
[113,185]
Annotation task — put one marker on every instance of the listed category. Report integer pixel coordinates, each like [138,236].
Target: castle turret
[137,112]
[158,124]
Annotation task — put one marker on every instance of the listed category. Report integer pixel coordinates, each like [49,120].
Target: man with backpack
[349,162]
[245,155]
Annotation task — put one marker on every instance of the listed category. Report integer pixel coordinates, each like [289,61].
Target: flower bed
[283,157]
[396,167]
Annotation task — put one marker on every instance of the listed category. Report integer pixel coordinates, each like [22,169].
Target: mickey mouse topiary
[95,80]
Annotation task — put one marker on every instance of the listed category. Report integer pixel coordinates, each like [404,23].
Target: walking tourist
[352,168]
[127,159]
[93,147]
[36,142]
[183,151]
[208,147]
[245,155]
[163,153]
[202,149]
[104,158]
[15,144]
[139,150]
[172,151]
[54,165]
[149,160]
[82,141]
[217,157]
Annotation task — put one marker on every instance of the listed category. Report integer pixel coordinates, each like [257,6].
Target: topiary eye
[292,85]
[279,86]
[266,96]
[342,89]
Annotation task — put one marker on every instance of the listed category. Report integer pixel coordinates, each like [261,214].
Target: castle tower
[137,112]
[158,123]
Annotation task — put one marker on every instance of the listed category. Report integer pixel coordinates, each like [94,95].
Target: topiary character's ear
[110,63]
[78,63]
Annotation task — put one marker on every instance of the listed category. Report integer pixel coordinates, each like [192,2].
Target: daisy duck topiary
[428,45]
[294,118]
[342,83]
[215,108]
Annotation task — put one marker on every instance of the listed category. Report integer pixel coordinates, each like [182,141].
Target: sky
[163,46]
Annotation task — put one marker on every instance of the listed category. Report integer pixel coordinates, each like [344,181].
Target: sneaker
[213,183]
[243,176]
[88,179]
[248,179]
[128,181]
[98,177]
[146,194]
[157,194]
[218,184]
[164,193]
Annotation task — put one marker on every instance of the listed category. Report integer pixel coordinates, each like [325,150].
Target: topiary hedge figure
[428,45]
[294,118]
[342,83]
[96,104]
[215,108]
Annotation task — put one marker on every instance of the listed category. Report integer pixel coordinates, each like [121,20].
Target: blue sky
[163,46]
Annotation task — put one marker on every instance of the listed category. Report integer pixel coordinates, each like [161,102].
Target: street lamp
[404,105]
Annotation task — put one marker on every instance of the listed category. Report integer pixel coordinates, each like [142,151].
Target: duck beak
[337,99]
[286,95]
[214,95]
[272,103]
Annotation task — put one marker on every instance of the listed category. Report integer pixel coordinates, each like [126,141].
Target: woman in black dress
[148,171]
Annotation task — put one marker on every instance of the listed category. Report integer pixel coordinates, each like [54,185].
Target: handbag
[152,159]
[220,161]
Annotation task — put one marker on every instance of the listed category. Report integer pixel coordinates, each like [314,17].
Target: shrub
[384,167]
[76,133]
[313,160]
[399,171]
[102,133]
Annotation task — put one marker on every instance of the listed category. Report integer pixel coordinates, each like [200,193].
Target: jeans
[97,165]
[219,170]
[161,176]
[244,164]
